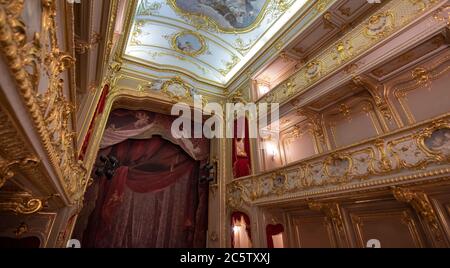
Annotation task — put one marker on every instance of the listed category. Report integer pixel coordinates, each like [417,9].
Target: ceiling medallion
[188,43]
[225,16]
[176,89]
[313,70]
[379,25]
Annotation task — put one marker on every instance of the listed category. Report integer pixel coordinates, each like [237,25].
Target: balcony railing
[417,152]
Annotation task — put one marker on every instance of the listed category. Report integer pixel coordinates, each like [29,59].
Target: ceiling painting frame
[226,69]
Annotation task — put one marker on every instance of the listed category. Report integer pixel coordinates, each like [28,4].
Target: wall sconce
[271,149]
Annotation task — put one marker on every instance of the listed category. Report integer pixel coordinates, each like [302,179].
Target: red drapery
[271,230]
[153,200]
[241,151]
[98,110]
[236,216]
[125,124]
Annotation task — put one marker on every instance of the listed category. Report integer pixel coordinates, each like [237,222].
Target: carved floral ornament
[313,70]
[6,166]
[365,164]
[338,166]
[443,14]
[50,110]
[331,211]
[379,24]
[435,140]
[176,89]
[279,181]
[422,204]
[22,203]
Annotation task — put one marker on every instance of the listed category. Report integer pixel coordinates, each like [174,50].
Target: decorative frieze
[380,26]
[373,162]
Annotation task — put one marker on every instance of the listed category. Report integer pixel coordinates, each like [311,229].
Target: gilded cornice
[49,109]
[312,11]
[373,163]
[21,204]
[423,206]
[396,15]
[17,160]
[112,15]
[308,13]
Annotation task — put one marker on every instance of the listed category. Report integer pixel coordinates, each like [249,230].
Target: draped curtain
[125,124]
[241,150]
[98,111]
[241,236]
[271,231]
[155,198]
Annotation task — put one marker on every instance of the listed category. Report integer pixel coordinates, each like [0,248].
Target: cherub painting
[439,141]
[189,43]
[338,167]
[227,14]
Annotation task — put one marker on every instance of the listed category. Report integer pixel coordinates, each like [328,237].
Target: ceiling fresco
[209,40]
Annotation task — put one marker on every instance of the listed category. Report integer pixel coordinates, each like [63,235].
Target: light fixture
[263,89]
[271,149]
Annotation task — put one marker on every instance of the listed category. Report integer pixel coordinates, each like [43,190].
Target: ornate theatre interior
[88,158]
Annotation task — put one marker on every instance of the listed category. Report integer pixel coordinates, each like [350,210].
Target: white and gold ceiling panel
[209,40]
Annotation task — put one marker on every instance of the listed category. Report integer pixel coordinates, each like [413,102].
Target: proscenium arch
[126,99]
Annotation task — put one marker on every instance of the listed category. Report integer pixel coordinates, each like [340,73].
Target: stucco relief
[439,141]
[227,14]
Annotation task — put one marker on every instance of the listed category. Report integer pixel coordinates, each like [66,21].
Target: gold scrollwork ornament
[22,206]
[421,203]
[176,89]
[331,211]
[49,109]
[6,166]
[427,133]
[334,160]
[379,25]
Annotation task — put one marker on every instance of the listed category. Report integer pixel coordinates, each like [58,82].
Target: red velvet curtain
[271,230]
[153,200]
[241,164]
[98,110]
[235,216]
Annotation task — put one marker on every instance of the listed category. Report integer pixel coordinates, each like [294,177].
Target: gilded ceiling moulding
[209,16]
[181,43]
[373,30]
[235,22]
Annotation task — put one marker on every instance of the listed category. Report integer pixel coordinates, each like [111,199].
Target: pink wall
[299,148]
[354,122]
[426,101]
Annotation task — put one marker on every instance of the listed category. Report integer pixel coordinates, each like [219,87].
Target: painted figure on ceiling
[230,14]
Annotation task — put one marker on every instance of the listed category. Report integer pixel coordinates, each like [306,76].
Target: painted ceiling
[209,40]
